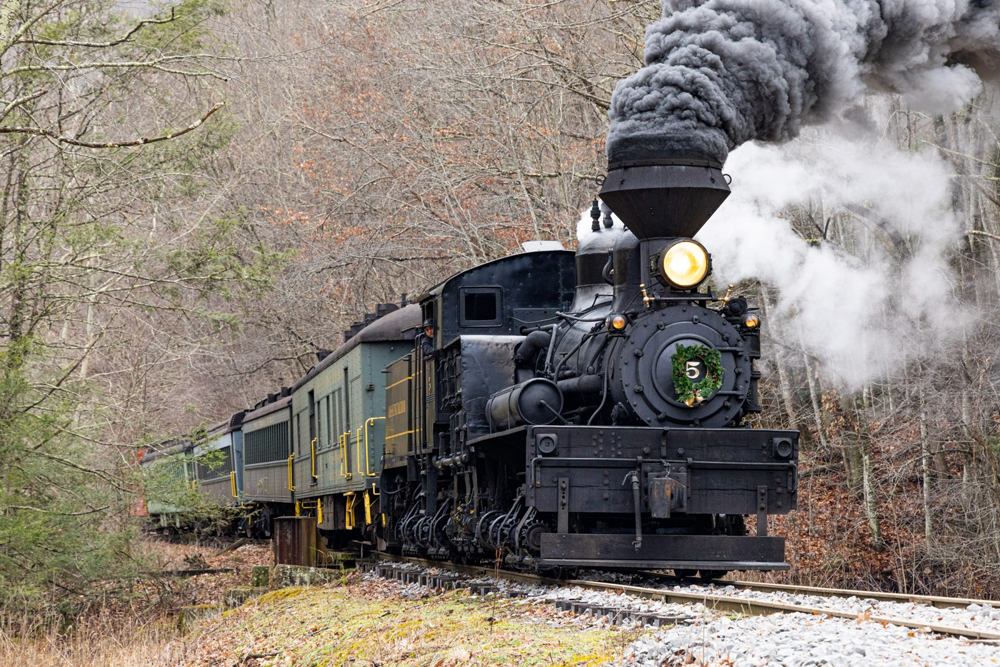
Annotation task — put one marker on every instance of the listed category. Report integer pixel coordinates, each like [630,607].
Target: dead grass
[369,623]
[361,623]
[130,623]
[174,556]
[103,640]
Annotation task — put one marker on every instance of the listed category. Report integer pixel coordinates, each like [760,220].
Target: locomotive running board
[705,552]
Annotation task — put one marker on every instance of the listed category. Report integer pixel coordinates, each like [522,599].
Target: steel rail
[929,600]
[938,601]
[744,606]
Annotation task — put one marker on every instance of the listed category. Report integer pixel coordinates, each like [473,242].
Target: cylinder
[583,390]
[536,401]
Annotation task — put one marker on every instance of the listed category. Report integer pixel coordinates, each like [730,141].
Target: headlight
[685,264]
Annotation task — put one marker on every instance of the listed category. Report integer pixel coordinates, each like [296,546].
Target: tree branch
[8,8]
[44,511]
[976,232]
[90,471]
[113,64]
[15,103]
[41,132]
[103,45]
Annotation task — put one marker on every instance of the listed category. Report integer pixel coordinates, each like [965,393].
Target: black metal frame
[671,552]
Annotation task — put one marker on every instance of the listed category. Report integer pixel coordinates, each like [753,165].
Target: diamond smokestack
[666,197]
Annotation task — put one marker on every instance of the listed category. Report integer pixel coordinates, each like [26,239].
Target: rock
[188,615]
[341,559]
[284,576]
[237,595]
[260,576]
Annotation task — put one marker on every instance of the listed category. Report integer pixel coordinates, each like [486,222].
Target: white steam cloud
[874,297]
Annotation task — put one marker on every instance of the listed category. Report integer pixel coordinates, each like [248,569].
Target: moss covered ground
[372,624]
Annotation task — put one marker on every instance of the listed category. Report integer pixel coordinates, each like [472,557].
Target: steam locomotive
[559,409]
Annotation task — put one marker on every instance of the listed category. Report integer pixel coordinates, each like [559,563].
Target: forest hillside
[198,199]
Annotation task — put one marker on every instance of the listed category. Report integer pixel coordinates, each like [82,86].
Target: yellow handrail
[357,451]
[349,499]
[340,447]
[312,449]
[319,511]
[345,470]
[291,486]
[368,467]
[232,483]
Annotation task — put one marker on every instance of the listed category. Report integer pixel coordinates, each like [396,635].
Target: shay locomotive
[563,409]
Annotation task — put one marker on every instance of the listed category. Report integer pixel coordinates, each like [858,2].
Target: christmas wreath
[693,393]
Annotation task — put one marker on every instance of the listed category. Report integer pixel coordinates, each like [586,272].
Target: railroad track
[929,600]
[736,604]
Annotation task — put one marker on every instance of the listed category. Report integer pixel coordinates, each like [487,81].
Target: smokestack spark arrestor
[664,198]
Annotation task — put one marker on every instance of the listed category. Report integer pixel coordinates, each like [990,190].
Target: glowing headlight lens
[618,322]
[751,321]
[685,264]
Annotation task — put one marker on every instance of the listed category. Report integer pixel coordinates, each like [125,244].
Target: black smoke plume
[723,72]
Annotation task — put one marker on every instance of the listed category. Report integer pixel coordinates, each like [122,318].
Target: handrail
[340,449]
[345,470]
[357,451]
[232,483]
[368,467]
[312,449]
[291,486]
[349,499]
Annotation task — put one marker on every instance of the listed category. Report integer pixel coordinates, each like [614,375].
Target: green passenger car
[338,425]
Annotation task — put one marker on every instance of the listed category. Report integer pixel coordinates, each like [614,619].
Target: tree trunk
[871,503]
[814,397]
[782,370]
[925,462]
[861,469]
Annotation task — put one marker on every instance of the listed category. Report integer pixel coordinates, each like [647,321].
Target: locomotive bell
[665,198]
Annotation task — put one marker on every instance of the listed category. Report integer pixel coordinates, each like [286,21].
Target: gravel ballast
[983,618]
[711,638]
[801,640]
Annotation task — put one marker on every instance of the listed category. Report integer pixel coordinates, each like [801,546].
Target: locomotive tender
[573,409]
